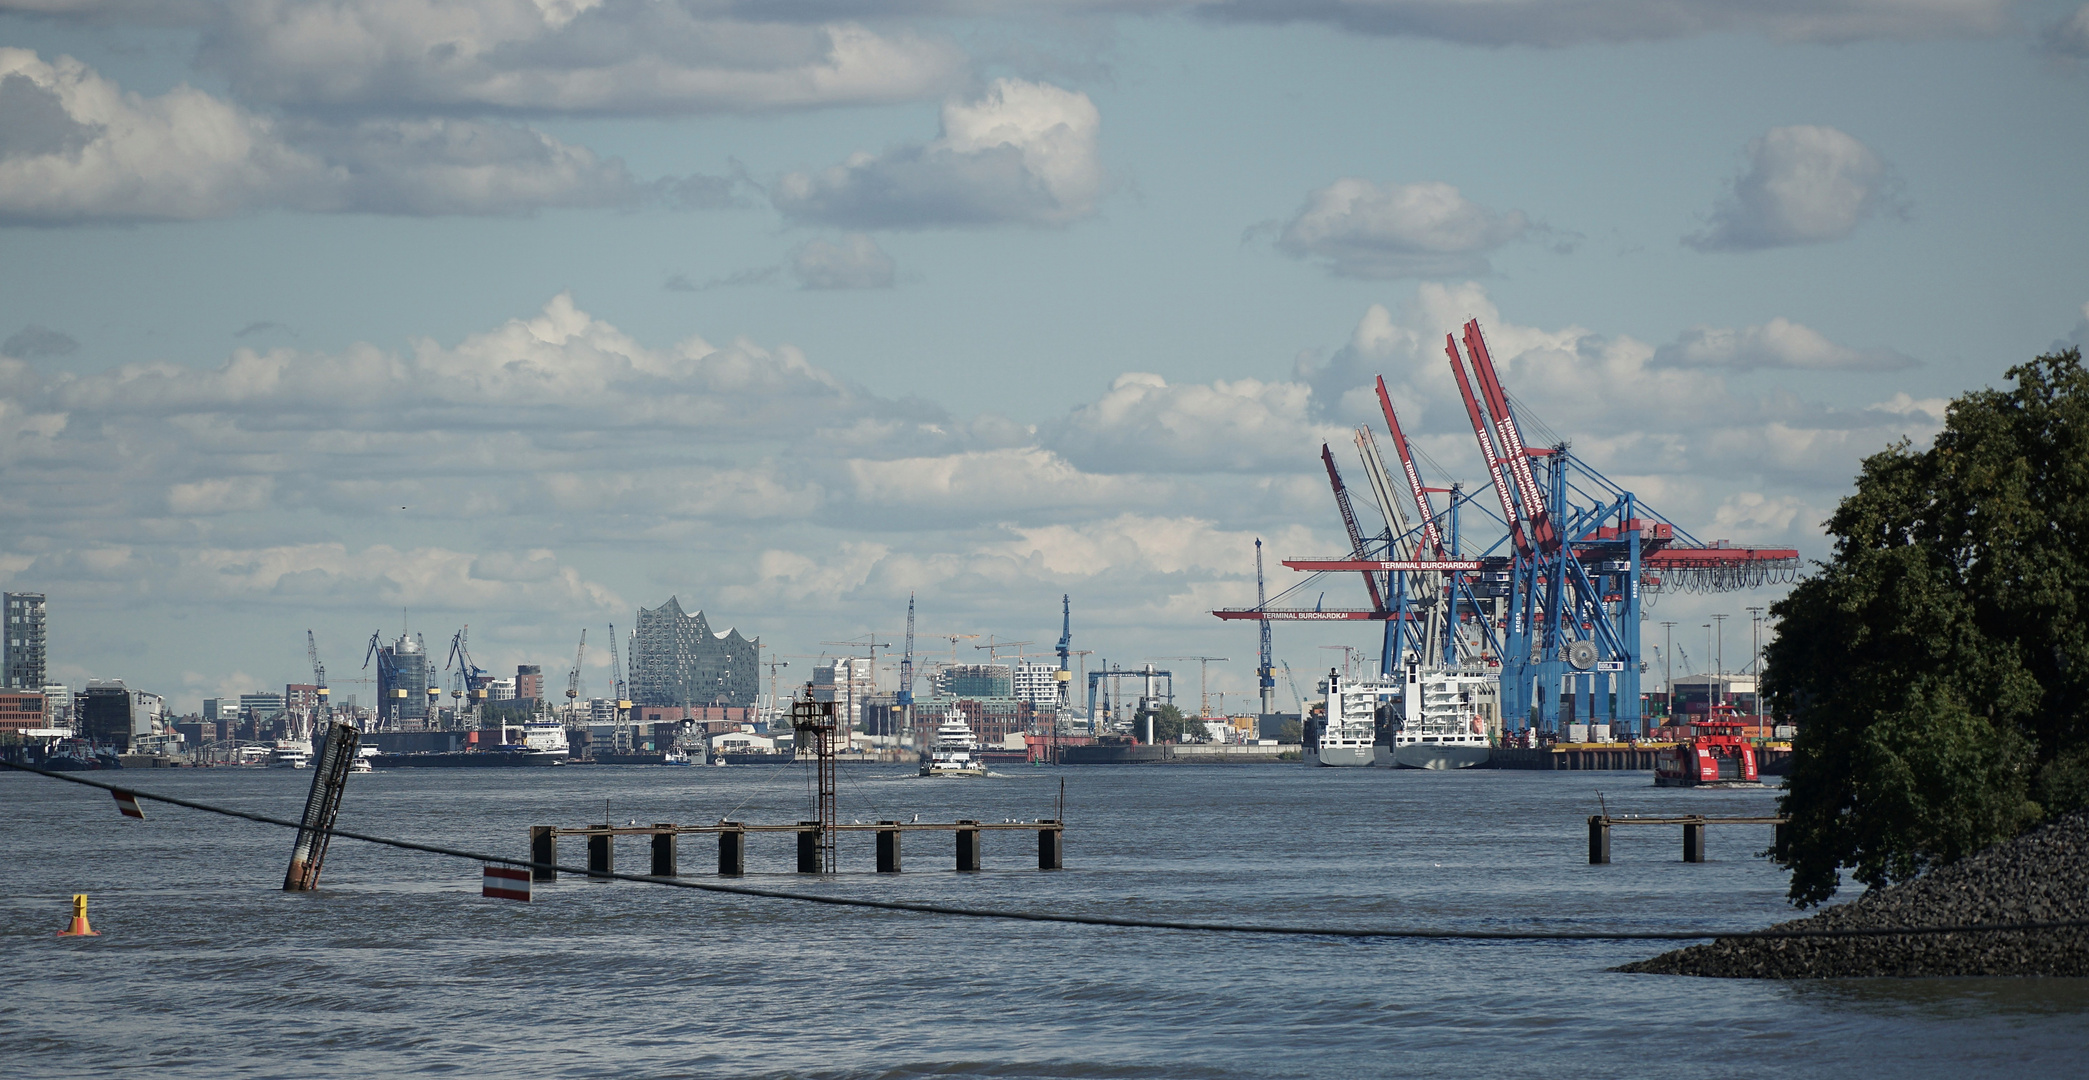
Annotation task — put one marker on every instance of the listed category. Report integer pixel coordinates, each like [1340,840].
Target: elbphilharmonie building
[677,660]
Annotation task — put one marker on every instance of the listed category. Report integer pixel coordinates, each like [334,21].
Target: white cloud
[856,262]
[1568,22]
[1143,424]
[76,147]
[1021,153]
[523,56]
[1779,343]
[1803,185]
[1366,230]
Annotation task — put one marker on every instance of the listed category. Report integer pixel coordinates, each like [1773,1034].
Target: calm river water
[397,966]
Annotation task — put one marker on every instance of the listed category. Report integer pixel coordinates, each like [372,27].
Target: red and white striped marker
[128,803]
[506,883]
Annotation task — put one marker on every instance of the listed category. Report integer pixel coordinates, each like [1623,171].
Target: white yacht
[1444,718]
[1352,714]
[290,754]
[956,749]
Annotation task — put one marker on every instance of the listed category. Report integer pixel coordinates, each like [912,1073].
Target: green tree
[1169,724]
[1937,664]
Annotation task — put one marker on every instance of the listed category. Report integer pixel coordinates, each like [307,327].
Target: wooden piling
[967,846]
[888,849]
[808,847]
[1693,841]
[544,851]
[664,849]
[1049,842]
[602,854]
[1599,840]
[732,850]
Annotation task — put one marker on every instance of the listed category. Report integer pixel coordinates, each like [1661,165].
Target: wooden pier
[813,847]
[1693,832]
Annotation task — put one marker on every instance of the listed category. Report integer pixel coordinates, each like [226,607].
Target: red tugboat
[1715,755]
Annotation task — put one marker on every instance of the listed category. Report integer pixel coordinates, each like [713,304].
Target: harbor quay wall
[1621,757]
[1169,754]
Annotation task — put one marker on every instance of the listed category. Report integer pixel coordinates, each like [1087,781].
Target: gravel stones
[2041,876]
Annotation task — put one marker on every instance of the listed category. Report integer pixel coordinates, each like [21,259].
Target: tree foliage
[1936,665]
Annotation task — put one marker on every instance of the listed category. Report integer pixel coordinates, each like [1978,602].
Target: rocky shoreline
[2042,876]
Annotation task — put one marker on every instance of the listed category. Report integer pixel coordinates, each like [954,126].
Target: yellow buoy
[79,927]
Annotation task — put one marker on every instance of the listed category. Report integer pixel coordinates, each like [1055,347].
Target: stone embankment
[2039,877]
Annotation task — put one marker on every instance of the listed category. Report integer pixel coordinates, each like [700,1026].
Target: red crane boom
[1356,534]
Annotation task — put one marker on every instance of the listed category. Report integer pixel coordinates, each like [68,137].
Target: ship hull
[1438,756]
[467,759]
[1343,757]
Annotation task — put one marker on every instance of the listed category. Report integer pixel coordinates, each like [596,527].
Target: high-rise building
[848,682]
[22,647]
[403,678]
[677,660]
[1037,684]
[529,682]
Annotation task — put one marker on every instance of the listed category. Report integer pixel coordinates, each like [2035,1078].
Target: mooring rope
[1088,920]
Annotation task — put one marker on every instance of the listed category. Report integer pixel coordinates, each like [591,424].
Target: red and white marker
[506,883]
[128,803]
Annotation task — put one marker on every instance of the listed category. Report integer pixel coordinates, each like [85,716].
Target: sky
[524,314]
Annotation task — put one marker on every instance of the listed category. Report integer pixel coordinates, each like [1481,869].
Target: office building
[104,713]
[529,682]
[403,678]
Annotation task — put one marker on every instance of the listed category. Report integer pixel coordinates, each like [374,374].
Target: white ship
[955,750]
[1443,719]
[290,754]
[1352,719]
[545,738]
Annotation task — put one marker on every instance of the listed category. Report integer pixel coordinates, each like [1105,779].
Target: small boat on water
[956,750]
[1715,755]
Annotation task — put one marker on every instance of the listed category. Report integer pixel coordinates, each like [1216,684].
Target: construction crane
[1203,664]
[573,677]
[322,711]
[993,646]
[1264,675]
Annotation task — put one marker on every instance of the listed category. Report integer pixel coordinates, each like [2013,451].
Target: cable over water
[1389,933]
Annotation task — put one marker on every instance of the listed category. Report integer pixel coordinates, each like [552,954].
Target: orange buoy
[79,928]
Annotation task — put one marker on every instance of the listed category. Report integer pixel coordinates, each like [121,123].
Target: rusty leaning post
[322,806]
[732,849]
[815,719]
[664,849]
[1049,842]
[967,845]
[544,853]
[1599,840]
[888,848]
[1694,841]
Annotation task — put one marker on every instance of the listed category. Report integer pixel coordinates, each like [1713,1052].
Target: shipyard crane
[322,710]
[1296,698]
[470,683]
[616,678]
[1357,548]
[573,677]
[387,678]
[1065,649]
[906,675]
[1266,677]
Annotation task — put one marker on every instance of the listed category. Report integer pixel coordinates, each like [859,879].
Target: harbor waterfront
[396,965]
